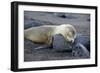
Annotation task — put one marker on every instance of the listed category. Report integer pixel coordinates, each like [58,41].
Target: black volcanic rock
[80,51]
[84,40]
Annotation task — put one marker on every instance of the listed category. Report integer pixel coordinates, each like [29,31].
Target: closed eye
[70,34]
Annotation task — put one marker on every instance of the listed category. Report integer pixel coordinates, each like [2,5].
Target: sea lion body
[43,34]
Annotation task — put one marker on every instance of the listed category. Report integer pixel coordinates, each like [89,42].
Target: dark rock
[80,50]
[62,16]
[81,46]
[67,16]
[84,40]
[34,23]
[31,23]
[60,44]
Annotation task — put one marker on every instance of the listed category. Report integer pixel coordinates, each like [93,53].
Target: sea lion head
[68,31]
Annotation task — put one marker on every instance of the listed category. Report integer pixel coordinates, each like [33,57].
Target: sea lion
[43,34]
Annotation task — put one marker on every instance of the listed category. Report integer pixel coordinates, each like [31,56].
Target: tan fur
[44,34]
